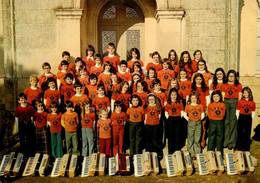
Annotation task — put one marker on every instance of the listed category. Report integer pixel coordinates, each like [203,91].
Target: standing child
[158,92]
[123,95]
[88,125]
[69,121]
[165,74]
[218,80]
[52,94]
[231,91]
[83,79]
[173,57]
[43,84]
[173,83]
[197,56]
[136,118]
[61,74]
[185,86]
[134,56]
[112,58]
[184,63]
[66,57]
[156,64]
[137,69]
[135,78]
[33,93]
[54,121]
[89,60]
[91,89]
[245,112]
[118,119]
[79,97]
[78,63]
[40,122]
[67,91]
[141,93]
[122,74]
[151,75]
[97,69]
[202,68]
[113,84]
[194,113]
[216,114]
[104,76]
[101,101]
[104,129]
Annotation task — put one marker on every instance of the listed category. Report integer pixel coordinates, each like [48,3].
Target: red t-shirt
[202,96]
[51,96]
[142,96]
[125,76]
[70,121]
[96,70]
[105,79]
[101,102]
[118,118]
[194,65]
[33,94]
[186,67]
[84,82]
[24,114]
[40,119]
[206,75]
[91,91]
[114,61]
[55,120]
[70,68]
[174,109]
[161,96]
[152,115]
[104,128]
[157,67]
[185,88]
[218,87]
[43,80]
[246,107]
[61,75]
[114,88]
[78,100]
[164,76]
[216,111]
[231,90]
[89,62]
[124,98]
[88,120]
[130,64]
[67,91]
[194,111]
[149,84]
[135,114]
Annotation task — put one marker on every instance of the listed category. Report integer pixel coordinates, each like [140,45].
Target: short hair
[196,51]
[123,62]
[102,110]
[136,96]
[22,95]
[111,44]
[68,103]
[54,105]
[39,103]
[117,103]
[45,64]
[92,76]
[69,75]
[156,81]
[78,59]
[77,84]
[82,68]
[64,62]
[166,60]
[97,56]
[65,53]
[51,79]
[34,77]
[107,63]
[90,48]
[101,86]
[216,92]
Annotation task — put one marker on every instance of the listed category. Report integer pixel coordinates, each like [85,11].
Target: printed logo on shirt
[92,96]
[166,77]
[136,115]
[86,121]
[55,123]
[105,128]
[68,93]
[246,110]
[230,92]
[100,106]
[51,98]
[217,111]
[152,113]
[174,109]
[97,74]
[195,113]
[183,87]
[71,122]
[24,115]
[119,121]
[89,65]
[39,119]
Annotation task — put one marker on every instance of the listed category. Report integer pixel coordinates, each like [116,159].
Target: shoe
[230,148]
[193,158]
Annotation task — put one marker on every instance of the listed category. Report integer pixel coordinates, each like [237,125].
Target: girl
[104,129]
[122,94]
[89,60]
[88,125]
[104,76]
[216,113]
[152,110]
[135,78]
[113,84]
[218,80]
[156,64]
[134,56]
[97,69]
[54,121]
[185,86]
[173,112]
[197,56]
[245,112]
[135,115]
[202,68]
[151,75]
[141,91]
[184,63]
[231,91]
[194,113]
[173,83]
[165,74]
[173,57]
[137,69]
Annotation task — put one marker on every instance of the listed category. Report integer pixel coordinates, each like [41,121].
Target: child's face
[52,85]
[40,108]
[231,77]
[201,66]
[123,67]
[66,57]
[54,109]
[101,91]
[151,100]
[219,75]
[134,55]
[83,73]
[103,114]
[140,87]
[183,75]
[157,87]
[165,65]
[135,101]
[156,58]
[173,96]
[124,88]
[114,78]
[107,68]
[22,101]
[118,108]
[46,69]
[216,98]
[90,53]
[136,78]
[136,69]
[64,67]
[78,90]
[87,108]
[185,58]
[151,73]
[68,81]
[193,99]
[197,55]
[172,55]
[93,81]
[173,84]
[33,83]
[69,109]
[78,64]
[98,61]
[111,50]
[198,80]
[245,94]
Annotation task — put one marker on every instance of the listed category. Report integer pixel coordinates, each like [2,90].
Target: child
[141,86]
[135,78]
[67,91]
[122,94]
[137,69]
[89,60]
[173,83]
[151,75]
[91,89]
[104,76]
[194,113]
[136,117]
[134,56]
[118,119]
[79,97]
[156,64]
[33,93]
[113,84]
[24,121]
[173,57]
[174,123]
[152,110]
[97,69]
[66,57]
[197,56]
[52,94]
[218,80]
[202,68]
[184,63]
[54,121]
[216,114]
[101,101]
[245,112]
[83,79]
[165,74]
[88,123]
[122,74]
[61,74]
[43,84]
[185,86]
[157,91]
[78,63]
[40,122]
[104,129]
[69,120]
[112,58]
[231,92]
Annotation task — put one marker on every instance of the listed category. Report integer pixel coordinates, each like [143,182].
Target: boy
[125,76]
[24,121]
[166,74]
[89,60]
[83,79]
[91,89]
[33,93]
[79,97]
[97,69]
[157,91]
[112,58]
[66,56]
[43,84]
[61,74]
[52,94]
[69,121]
[67,91]
[101,101]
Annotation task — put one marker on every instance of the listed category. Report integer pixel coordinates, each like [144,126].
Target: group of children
[111,105]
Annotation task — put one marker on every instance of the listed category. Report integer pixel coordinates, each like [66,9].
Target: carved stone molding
[69,13]
[169,14]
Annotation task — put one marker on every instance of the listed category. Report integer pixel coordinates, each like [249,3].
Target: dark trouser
[230,123]
[216,129]
[27,136]
[135,137]
[244,132]
[105,146]
[152,140]
[174,130]
[184,128]
[41,140]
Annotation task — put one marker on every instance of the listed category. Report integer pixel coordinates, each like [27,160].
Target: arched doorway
[121,22]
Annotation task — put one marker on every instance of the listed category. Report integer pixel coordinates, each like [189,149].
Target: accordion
[249,167]
[120,164]
[37,165]
[206,163]
[65,166]
[11,164]
[89,165]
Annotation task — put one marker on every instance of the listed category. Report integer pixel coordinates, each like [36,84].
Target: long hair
[148,71]
[110,83]
[157,101]
[181,62]
[196,51]
[215,79]
[144,84]
[205,65]
[119,89]
[216,92]
[139,66]
[130,54]
[54,105]
[193,94]
[169,84]
[176,60]
[236,82]
[250,94]
[178,99]
[84,104]
[203,85]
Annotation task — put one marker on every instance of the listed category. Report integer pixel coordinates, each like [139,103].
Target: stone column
[257,63]
[169,32]
[69,30]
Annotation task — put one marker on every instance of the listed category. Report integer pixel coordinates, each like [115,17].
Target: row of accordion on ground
[177,164]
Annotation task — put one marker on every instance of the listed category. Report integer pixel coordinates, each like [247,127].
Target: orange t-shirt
[124,98]
[91,91]
[51,96]
[231,90]
[67,91]
[78,100]
[135,114]
[104,128]
[61,75]
[142,96]
[125,76]
[194,65]
[70,68]
[174,109]
[55,120]
[216,111]
[105,79]
[149,84]
[118,118]
[70,121]
[206,75]
[114,88]
[218,87]
[40,119]
[161,96]
[84,82]
[186,67]
[33,94]
[164,76]
[43,80]
[157,67]
[96,70]
[246,107]
[194,111]
[185,88]
[167,94]
[89,62]
[152,115]
[88,120]
[101,102]
[114,61]
[202,96]
[24,114]
[130,64]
